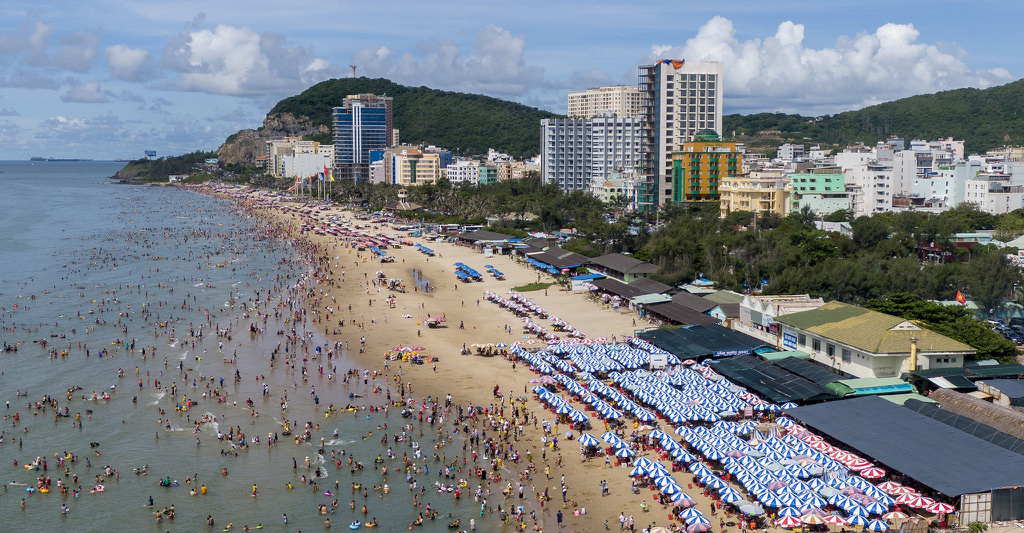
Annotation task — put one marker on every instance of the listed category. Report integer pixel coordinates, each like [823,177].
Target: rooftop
[624,264]
[870,331]
[937,455]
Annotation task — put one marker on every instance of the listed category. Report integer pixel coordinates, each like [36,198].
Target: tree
[991,277]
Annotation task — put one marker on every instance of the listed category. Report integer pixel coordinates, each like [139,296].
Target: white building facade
[576,152]
[620,100]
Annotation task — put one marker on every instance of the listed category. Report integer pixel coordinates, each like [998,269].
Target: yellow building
[407,165]
[761,192]
[699,168]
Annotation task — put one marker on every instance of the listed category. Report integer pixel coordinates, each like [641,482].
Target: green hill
[984,118]
[465,123]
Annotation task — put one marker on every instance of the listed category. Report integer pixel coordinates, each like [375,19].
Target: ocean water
[91,269]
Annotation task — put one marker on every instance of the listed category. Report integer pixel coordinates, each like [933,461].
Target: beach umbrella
[857,520]
[835,520]
[690,514]
[894,515]
[890,487]
[730,495]
[919,502]
[638,471]
[587,439]
[872,473]
[699,527]
[876,525]
[876,508]
[789,511]
[940,508]
[789,522]
[624,453]
[812,519]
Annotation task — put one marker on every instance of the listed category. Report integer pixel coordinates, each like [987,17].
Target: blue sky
[111,78]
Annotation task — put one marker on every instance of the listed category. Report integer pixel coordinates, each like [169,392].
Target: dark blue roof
[937,455]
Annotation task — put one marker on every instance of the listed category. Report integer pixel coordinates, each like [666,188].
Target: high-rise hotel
[678,99]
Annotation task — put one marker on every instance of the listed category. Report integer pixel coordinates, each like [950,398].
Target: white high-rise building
[618,100]
[678,100]
[577,151]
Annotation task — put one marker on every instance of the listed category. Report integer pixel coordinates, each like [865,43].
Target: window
[846,356]
[830,349]
[816,345]
[802,339]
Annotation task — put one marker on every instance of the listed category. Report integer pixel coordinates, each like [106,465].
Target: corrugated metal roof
[870,331]
[938,456]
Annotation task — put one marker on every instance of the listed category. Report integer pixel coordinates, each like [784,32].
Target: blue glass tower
[363,124]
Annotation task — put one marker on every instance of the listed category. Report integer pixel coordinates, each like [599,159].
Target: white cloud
[86,93]
[780,72]
[64,124]
[239,61]
[495,66]
[125,62]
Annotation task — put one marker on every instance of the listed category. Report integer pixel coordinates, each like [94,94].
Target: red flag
[960,298]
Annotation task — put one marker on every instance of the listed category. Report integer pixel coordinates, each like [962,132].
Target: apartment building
[678,99]
[620,101]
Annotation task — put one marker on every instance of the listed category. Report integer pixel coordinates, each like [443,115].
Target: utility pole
[353,70]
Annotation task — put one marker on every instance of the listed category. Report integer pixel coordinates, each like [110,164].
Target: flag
[329,174]
[960,298]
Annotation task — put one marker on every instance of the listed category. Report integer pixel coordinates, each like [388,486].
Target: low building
[760,192]
[622,267]
[408,165]
[868,344]
[761,312]
[823,190]
[463,171]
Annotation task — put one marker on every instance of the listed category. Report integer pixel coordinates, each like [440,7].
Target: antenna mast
[353,70]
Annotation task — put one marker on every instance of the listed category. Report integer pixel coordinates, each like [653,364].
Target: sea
[104,286]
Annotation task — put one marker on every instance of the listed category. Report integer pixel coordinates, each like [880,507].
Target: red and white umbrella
[872,473]
[835,520]
[789,522]
[859,464]
[921,502]
[940,508]
[907,497]
[890,487]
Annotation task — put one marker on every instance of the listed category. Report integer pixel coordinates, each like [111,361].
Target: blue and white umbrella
[790,511]
[587,439]
[638,471]
[730,495]
[624,453]
[876,525]
[857,520]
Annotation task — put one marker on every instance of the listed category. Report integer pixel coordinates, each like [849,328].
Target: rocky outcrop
[247,145]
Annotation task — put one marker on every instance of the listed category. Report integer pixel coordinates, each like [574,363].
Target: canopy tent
[937,455]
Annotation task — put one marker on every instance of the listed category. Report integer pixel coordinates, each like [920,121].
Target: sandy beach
[471,379]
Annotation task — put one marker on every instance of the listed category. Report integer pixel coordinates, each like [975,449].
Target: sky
[108,79]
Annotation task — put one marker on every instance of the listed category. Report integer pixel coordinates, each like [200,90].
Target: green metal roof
[870,331]
[775,356]
[902,398]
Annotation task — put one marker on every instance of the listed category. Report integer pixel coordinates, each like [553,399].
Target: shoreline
[469,378]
